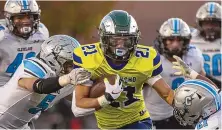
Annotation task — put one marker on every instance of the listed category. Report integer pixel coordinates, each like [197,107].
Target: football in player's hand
[99,88]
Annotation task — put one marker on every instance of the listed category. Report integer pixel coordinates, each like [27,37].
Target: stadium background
[80,19]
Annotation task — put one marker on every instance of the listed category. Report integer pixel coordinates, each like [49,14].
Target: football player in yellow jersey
[118,52]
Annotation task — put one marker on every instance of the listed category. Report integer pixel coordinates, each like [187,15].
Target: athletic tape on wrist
[193,74]
[64,80]
[103,101]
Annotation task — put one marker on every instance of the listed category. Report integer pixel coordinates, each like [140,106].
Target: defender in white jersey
[208,39]
[174,37]
[36,85]
[21,35]
[196,102]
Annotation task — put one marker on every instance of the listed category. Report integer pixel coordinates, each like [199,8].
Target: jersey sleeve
[33,69]
[211,123]
[88,62]
[4,55]
[198,56]
[2,33]
[77,60]
[157,65]
[194,32]
[44,30]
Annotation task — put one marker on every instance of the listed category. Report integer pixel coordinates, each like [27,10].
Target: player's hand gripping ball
[99,88]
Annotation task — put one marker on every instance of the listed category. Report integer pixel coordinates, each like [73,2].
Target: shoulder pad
[2,32]
[192,47]
[148,60]
[43,29]
[3,29]
[194,32]
[146,49]
[194,51]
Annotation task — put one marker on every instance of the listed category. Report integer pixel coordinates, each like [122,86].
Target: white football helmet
[195,100]
[211,12]
[18,8]
[58,50]
[173,27]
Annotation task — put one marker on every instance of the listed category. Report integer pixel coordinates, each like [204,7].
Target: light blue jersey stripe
[206,86]
[34,68]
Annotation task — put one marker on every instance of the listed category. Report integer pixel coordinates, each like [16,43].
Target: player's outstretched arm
[53,84]
[185,70]
[162,88]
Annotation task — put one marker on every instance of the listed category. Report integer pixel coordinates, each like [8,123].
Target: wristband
[103,101]
[193,74]
[64,80]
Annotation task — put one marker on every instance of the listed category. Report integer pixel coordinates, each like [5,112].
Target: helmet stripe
[176,25]
[206,86]
[211,8]
[25,4]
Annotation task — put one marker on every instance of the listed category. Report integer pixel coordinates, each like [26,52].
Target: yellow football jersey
[129,107]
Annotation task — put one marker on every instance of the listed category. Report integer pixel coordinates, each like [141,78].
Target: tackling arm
[185,70]
[43,86]
[53,84]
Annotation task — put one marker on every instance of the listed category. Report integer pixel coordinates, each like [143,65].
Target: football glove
[183,68]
